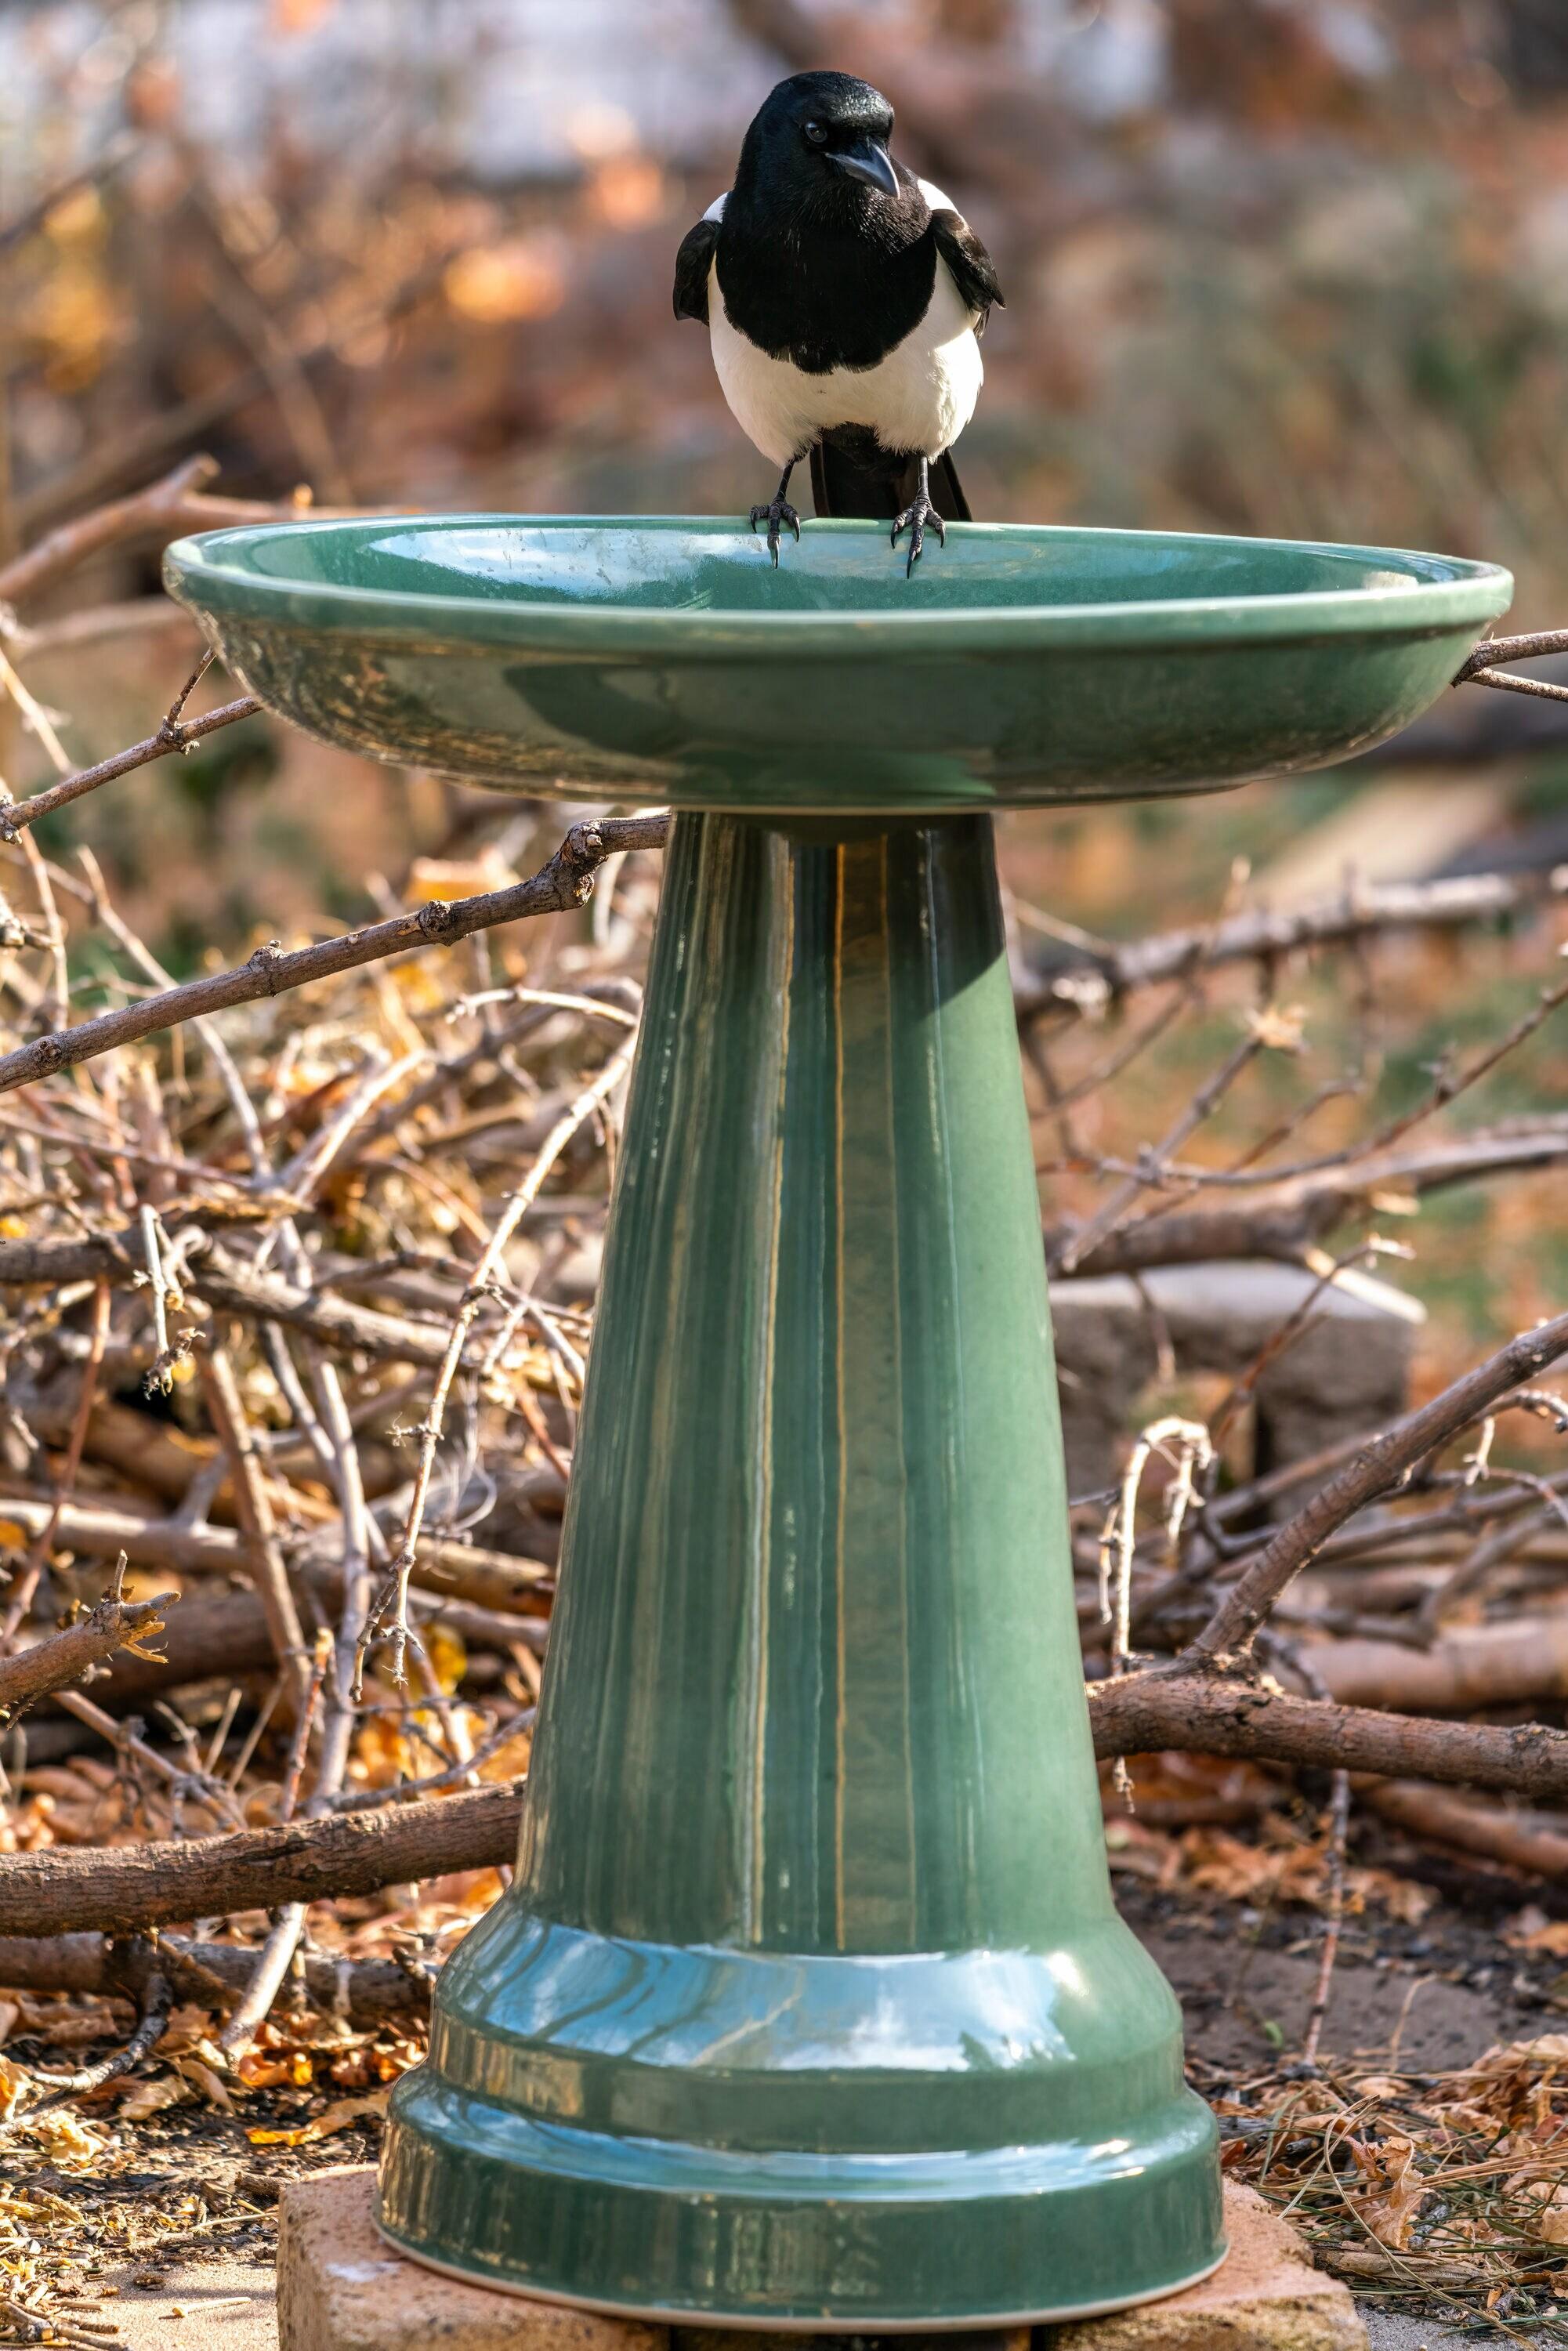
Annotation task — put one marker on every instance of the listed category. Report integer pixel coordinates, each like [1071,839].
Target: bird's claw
[777,513]
[914,519]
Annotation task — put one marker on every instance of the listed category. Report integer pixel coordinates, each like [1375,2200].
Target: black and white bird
[845,299]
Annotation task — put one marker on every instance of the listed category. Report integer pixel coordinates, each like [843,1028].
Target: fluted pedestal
[810,2002]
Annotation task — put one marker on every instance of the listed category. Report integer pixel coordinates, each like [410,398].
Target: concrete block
[1347,1372]
[733,2338]
[1265,2297]
[341,2287]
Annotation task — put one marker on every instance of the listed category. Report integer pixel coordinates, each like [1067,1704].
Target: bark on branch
[174,734]
[1485,1830]
[121,1888]
[500,1579]
[166,509]
[1207,1714]
[1514,1660]
[1482,668]
[565,883]
[1284,1220]
[65,1658]
[1281,1221]
[124,1890]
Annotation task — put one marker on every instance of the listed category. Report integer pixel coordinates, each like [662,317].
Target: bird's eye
[817,133]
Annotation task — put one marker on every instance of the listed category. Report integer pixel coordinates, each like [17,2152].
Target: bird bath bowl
[808,2006]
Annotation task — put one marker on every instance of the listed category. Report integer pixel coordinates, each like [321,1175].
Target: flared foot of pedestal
[827,2142]
[906,2245]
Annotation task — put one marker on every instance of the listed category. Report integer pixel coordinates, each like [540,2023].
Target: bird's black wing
[970,266]
[693,265]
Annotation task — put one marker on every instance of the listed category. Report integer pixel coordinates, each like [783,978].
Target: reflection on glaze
[712,567]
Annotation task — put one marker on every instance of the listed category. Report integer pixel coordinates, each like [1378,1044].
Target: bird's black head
[819,138]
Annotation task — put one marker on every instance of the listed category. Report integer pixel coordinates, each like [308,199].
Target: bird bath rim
[217,573]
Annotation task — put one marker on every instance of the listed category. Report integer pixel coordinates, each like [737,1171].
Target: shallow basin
[666,658]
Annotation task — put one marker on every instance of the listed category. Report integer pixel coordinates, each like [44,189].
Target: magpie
[845,299]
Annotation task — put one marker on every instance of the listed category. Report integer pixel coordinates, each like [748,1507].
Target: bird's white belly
[919,398]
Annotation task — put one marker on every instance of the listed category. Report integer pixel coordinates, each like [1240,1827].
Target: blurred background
[1291,266]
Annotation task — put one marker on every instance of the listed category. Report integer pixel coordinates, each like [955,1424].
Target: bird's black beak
[868,160]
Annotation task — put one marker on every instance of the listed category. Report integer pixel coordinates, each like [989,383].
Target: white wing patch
[940,203]
[716,210]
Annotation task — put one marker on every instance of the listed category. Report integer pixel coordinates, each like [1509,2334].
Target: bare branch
[167,509]
[1502,683]
[116,154]
[1486,1831]
[154,1998]
[225,1409]
[65,1658]
[393,1602]
[1482,666]
[174,734]
[1285,1218]
[122,1889]
[1378,1468]
[1103,975]
[565,883]
[97,625]
[1207,1714]
[126,1889]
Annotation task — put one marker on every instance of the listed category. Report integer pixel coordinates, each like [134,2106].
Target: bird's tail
[844,484]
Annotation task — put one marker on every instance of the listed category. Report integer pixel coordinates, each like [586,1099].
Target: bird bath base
[809,2005]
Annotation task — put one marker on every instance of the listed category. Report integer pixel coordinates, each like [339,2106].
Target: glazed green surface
[1020,665]
[810,2001]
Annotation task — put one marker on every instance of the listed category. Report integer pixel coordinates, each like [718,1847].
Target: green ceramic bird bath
[809,2005]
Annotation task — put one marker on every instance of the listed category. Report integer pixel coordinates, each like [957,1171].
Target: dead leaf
[211,2084]
[1550,1937]
[1389,2216]
[145,2098]
[260,2071]
[12,2089]
[1278,1028]
[337,2118]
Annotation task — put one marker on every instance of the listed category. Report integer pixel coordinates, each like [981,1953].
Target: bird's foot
[914,519]
[779,514]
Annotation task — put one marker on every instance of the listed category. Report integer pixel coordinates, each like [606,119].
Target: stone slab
[1346,1370]
[728,2338]
[1390,2330]
[1265,2297]
[1395,2330]
[341,2288]
[219,2305]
